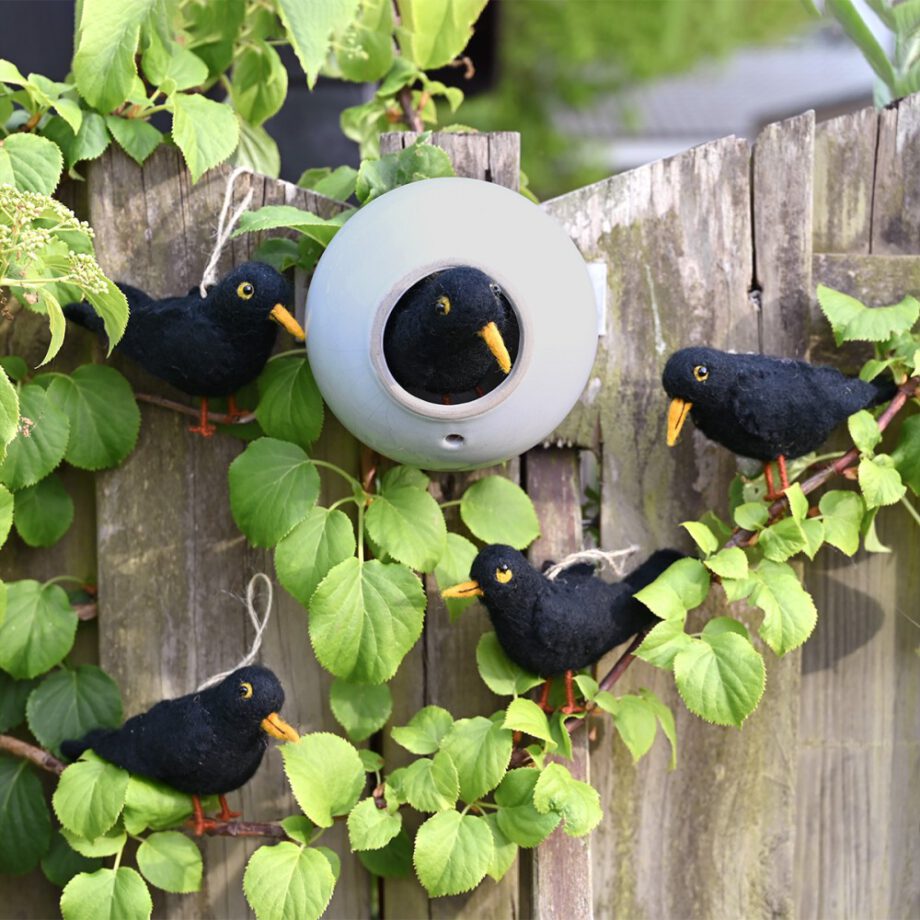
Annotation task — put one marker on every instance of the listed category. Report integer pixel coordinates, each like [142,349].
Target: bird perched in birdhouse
[762,407]
[205,346]
[559,626]
[452,336]
[206,743]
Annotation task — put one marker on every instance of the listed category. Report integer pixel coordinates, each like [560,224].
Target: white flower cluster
[85,271]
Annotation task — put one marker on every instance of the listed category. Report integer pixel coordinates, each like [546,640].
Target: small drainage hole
[454,441]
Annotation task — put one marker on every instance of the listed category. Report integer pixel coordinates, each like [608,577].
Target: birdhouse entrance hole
[443,348]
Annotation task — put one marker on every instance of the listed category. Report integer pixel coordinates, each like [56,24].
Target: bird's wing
[766,400]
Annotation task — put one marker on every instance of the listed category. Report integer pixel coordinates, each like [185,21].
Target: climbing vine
[484,786]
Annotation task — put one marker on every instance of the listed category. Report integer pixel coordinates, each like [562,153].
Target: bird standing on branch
[762,407]
[206,743]
[206,347]
[453,333]
[554,627]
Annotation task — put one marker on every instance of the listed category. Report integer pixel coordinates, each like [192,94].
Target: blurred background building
[594,86]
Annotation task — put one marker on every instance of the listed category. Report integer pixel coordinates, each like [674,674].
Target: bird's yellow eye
[245,290]
[701,372]
[442,305]
[245,690]
[503,575]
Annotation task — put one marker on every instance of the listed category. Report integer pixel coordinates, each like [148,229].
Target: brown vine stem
[413,119]
[221,418]
[38,756]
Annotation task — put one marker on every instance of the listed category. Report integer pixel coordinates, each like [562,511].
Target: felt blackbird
[206,347]
[206,743]
[453,333]
[551,627]
[762,407]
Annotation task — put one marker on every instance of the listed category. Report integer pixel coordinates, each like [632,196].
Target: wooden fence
[812,809]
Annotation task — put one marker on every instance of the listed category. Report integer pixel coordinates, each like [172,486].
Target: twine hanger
[611,559]
[224,228]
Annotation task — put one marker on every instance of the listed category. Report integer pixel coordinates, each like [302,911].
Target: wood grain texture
[783,164]
[561,872]
[170,556]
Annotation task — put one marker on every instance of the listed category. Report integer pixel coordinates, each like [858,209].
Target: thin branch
[413,119]
[269,829]
[36,755]
[221,418]
[86,611]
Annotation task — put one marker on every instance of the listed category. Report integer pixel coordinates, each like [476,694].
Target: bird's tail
[74,747]
[885,388]
[652,568]
[84,315]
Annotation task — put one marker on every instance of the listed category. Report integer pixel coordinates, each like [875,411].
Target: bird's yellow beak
[278,728]
[283,317]
[493,338]
[677,415]
[464,589]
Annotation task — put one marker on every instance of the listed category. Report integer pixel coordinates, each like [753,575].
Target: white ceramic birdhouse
[376,267]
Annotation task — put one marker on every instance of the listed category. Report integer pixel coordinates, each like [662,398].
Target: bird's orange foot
[198,822]
[204,427]
[572,709]
[234,412]
[543,702]
[225,813]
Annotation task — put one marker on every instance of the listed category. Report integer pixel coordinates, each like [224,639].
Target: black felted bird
[206,743]
[205,346]
[453,335]
[554,627]
[762,407]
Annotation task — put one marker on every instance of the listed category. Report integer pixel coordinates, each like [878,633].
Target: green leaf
[665,720]
[720,678]
[273,486]
[138,138]
[526,716]
[299,828]
[206,132]
[310,27]
[277,216]
[517,817]
[852,321]
[13,696]
[480,749]
[24,817]
[326,775]
[431,784]
[392,861]
[681,587]
[880,481]
[751,515]
[704,538]
[433,32]
[51,307]
[90,796]
[906,455]
[152,804]
[338,183]
[365,52]
[578,803]
[636,724]
[7,503]
[783,539]
[864,431]
[418,161]
[842,514]
[500,674]
[259,84]
[497,510]
[663,642]
[361,709]
[107,844]
[106,42]
[425,730]
[112,306]
[316,545]
[41,442]
[258,151]
[106,894]
[290,406]
[44,512]
[372,761]
[68,703]
[88,143]
[453,852]
[871,542]
[170,861]
[453,567]
[728,563]
[504,850]
[364,618]
[407,524]
[61,863]
[38,630]
[286,881]
[370,827]
[30,163]
[9,409]
[172,64]
[104,417]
